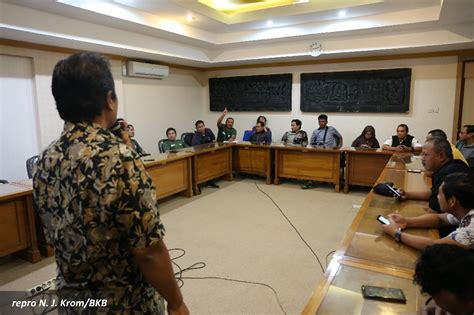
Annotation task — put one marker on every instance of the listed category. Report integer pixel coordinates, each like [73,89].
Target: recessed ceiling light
[190,18]
[342,13]
[269,23]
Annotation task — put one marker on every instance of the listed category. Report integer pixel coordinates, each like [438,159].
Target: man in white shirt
[402,141]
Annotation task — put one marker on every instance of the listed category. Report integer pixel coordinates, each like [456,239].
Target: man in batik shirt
[98,204]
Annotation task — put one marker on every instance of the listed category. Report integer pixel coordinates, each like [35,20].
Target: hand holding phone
[395,192]
[383,220]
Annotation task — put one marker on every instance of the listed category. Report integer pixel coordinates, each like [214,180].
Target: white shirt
[464,234]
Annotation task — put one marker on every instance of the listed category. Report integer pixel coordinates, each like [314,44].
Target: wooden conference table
[367,256]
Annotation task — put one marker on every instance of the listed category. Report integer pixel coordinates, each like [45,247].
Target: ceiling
[192,33]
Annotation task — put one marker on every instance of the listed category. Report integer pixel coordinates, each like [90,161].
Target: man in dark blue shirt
[202,135]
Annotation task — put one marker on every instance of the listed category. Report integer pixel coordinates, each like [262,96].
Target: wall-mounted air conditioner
[146,70]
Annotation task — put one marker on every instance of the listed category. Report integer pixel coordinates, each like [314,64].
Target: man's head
[229,122]
[323,121]
[84,89]
[295,125]
[436,133]
[131,130]
[171,134]
[200,127]
[456,191]
[445,272]
[402,131]
[436,152]
[467,133]
[259,127]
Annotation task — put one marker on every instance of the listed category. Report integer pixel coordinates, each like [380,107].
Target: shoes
[213,185]
[308,185]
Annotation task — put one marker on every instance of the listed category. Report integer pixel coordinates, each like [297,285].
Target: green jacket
[173,145]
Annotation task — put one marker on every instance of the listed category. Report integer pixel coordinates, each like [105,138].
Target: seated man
[226,132]
[437,157]
[262,119]
[260,136]
[438,133]
[296,136]
[202,135]
[465,143]
[326,135]
[402,142]
[172,143]
[135,145]
[445,272]
[456,198]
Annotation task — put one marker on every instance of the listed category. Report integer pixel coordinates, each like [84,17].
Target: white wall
[182,98]
[154,105]
[433,86]
[18,117]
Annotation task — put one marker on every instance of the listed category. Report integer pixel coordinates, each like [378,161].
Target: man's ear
[110,101]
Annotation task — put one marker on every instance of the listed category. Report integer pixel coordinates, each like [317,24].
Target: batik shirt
[97,203]
[464,234]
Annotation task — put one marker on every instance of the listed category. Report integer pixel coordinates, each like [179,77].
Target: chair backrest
[187,137]
[30,163]
[160,145]
[3,181]
[247,135]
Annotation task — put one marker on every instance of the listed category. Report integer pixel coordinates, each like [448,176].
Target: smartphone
[383,220]
[383,294]
[411,170]
[396,193]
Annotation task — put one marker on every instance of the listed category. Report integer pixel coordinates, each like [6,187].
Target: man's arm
[430,220]
[155,264]
[221,117]
[421,242]
[415,195]
[313,138]
[416,146]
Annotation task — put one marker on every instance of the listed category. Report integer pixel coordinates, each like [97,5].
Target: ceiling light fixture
[342,13]
[269,23]
[190,18]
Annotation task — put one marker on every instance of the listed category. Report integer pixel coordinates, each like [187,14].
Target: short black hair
[403,126]
[461,186]
[170,129]
[228,119]
[80,85]
[470,128]
[438,133]
[441,145]
[199,122]
[297,121]
[323,117]
[446,267]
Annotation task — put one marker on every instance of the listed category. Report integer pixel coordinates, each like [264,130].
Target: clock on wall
[315,49]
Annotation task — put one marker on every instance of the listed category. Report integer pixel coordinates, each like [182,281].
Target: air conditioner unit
[146,70]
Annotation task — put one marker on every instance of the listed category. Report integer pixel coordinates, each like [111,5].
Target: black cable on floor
[241,281]
[199,265]
[331,252]
[292,225]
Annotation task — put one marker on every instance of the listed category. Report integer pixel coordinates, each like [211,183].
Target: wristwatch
[398,235]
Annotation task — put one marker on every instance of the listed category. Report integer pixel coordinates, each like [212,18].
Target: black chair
[187,138]
[3,181]
[160,145]
[30,163]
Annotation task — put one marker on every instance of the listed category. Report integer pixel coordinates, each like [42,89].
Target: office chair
[247,135]
[187,137]
[30,163]
[3,181]
[160,145]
